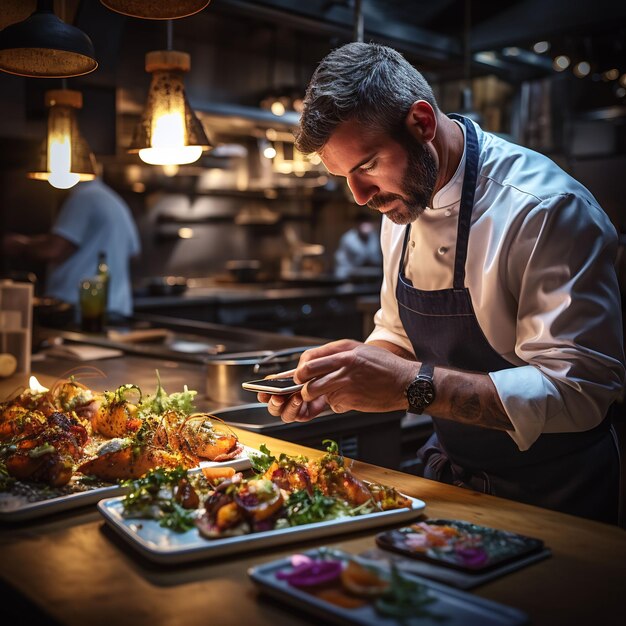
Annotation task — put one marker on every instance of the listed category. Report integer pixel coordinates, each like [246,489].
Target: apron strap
[467,200]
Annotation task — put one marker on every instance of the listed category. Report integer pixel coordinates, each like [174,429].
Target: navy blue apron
[575,473]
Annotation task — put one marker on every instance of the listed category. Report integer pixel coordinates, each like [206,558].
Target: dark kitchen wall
[240,51]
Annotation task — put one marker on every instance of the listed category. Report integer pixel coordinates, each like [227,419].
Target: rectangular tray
[14,508]
[502,547]
[161,545]
[458,607]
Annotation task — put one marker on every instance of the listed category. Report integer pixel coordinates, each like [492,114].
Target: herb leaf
[263,461]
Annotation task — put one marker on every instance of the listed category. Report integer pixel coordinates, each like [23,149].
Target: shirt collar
[450,194]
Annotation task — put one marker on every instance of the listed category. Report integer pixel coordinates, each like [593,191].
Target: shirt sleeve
[560,267]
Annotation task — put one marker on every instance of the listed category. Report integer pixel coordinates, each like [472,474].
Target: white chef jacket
[540,273]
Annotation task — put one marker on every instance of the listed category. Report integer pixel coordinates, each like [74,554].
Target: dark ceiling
[243,48]
[434,32]
[440,36]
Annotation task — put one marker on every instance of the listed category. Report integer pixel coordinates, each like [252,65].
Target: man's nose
[363,191]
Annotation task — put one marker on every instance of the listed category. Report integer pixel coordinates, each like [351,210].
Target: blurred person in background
[358,252]
[93,219]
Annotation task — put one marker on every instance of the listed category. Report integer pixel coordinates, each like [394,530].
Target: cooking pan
[226,372]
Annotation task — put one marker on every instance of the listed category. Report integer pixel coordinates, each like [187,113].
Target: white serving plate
[162,545]
[16,508]
[457,608]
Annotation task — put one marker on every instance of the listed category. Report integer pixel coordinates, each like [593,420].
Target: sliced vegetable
[363,581]
[312,574]
[214,474]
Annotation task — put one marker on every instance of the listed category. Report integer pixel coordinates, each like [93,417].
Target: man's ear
[421,121]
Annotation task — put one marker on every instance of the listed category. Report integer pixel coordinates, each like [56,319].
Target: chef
[500,308]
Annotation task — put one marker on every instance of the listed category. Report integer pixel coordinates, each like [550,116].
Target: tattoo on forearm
[468,407]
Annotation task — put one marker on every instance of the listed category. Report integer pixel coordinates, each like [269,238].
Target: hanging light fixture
[65,157]
[169,133]
[43,46]
[150,10]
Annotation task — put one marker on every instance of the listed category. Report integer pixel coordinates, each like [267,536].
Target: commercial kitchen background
[234,204]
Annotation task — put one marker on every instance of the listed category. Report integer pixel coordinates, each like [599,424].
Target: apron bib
[575,473]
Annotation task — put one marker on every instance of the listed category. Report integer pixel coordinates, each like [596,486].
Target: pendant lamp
[43,46]
[65,157]
[155,10]
[169,133]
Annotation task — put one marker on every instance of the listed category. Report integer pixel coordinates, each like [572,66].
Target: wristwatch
[421,392]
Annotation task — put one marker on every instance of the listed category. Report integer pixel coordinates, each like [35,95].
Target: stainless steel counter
[330,311]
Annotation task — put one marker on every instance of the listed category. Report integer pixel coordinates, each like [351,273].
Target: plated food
[69,439]
[175,516]
[339,587]
[458,544]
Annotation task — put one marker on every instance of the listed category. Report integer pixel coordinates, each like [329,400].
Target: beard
[418,184]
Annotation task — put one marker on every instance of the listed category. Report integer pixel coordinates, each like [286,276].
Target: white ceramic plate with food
[162,545]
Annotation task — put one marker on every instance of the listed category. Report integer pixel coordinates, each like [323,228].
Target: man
[358,252]
[500,309]
[93,219]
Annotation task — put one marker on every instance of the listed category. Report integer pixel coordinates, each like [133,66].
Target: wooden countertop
[73,568]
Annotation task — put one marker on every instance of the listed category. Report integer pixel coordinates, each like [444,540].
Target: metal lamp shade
[151,10]
[169,133]
[64,158]
[43,46]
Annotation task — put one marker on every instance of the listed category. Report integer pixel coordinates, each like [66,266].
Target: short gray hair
[367,82]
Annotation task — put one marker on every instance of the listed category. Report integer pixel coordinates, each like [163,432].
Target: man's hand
[345,375]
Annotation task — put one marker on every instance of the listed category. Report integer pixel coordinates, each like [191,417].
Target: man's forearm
[393,348]
[468,398]
[465,397]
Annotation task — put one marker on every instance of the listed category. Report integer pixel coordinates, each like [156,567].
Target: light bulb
[278,108]
[60,151]
[169,133]
[169,136]
[561,63]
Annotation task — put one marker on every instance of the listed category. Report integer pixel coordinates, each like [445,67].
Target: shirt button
[442,250]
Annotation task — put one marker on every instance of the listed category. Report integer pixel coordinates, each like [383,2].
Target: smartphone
[277,386]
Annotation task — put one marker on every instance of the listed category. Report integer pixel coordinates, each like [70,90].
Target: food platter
[446,606]
[68,446]
[17,507]
[161,545]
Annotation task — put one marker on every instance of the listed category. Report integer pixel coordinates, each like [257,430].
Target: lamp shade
[151,10]
[169,133]
[64,158]
[43,46]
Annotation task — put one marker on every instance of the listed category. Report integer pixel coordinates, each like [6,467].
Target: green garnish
[119,395]
[405,598]
[180,401]
[304,508]
[262,462]
[153,496]
[332,453]
[6,480]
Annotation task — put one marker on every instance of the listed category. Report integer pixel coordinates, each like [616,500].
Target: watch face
[420,394]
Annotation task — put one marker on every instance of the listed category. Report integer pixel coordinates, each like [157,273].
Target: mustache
[381,200]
